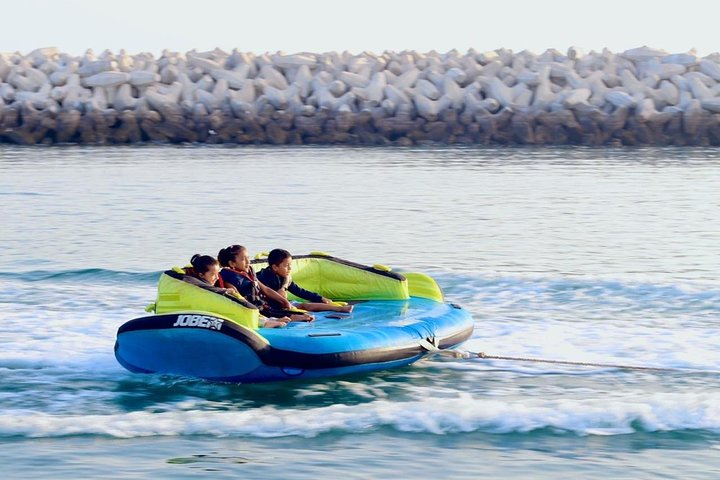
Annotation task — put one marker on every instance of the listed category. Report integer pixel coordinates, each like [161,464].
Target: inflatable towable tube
[397,319]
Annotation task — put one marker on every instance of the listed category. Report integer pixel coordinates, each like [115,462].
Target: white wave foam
[602,341]
[73,327]
[465,413]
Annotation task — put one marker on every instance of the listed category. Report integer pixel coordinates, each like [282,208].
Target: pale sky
[373,25]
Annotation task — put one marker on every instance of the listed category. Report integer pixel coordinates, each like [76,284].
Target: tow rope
[484,356]
[466,355]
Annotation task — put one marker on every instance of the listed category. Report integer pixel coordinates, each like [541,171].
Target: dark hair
[202,263]
[227,254]
[277,255]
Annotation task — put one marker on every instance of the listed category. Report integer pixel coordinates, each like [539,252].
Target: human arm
[274,295]
[300,292]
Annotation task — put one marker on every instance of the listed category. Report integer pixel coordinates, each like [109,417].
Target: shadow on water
[147,391]
[203,459]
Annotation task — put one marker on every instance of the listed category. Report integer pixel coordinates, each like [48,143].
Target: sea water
[587,255]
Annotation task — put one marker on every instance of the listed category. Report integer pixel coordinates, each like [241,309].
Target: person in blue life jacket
[205,273]
[277,277]
[238,272]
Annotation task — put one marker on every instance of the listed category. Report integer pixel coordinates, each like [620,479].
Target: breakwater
[642,96]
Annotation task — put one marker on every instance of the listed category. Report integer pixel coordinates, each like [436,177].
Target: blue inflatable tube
[379,334]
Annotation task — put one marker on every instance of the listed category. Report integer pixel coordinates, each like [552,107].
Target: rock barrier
[642,96]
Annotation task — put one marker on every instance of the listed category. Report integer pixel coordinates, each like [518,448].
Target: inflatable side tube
[191,344]
[176,295]
[423,286]
[340,279]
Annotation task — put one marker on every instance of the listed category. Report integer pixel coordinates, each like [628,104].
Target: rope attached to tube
[465,355]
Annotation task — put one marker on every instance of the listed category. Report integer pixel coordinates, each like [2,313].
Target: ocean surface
[588,255]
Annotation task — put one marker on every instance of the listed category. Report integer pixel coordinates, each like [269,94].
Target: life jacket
[250,274]
[255,296]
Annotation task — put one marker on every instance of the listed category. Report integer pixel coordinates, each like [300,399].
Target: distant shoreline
[641,96]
